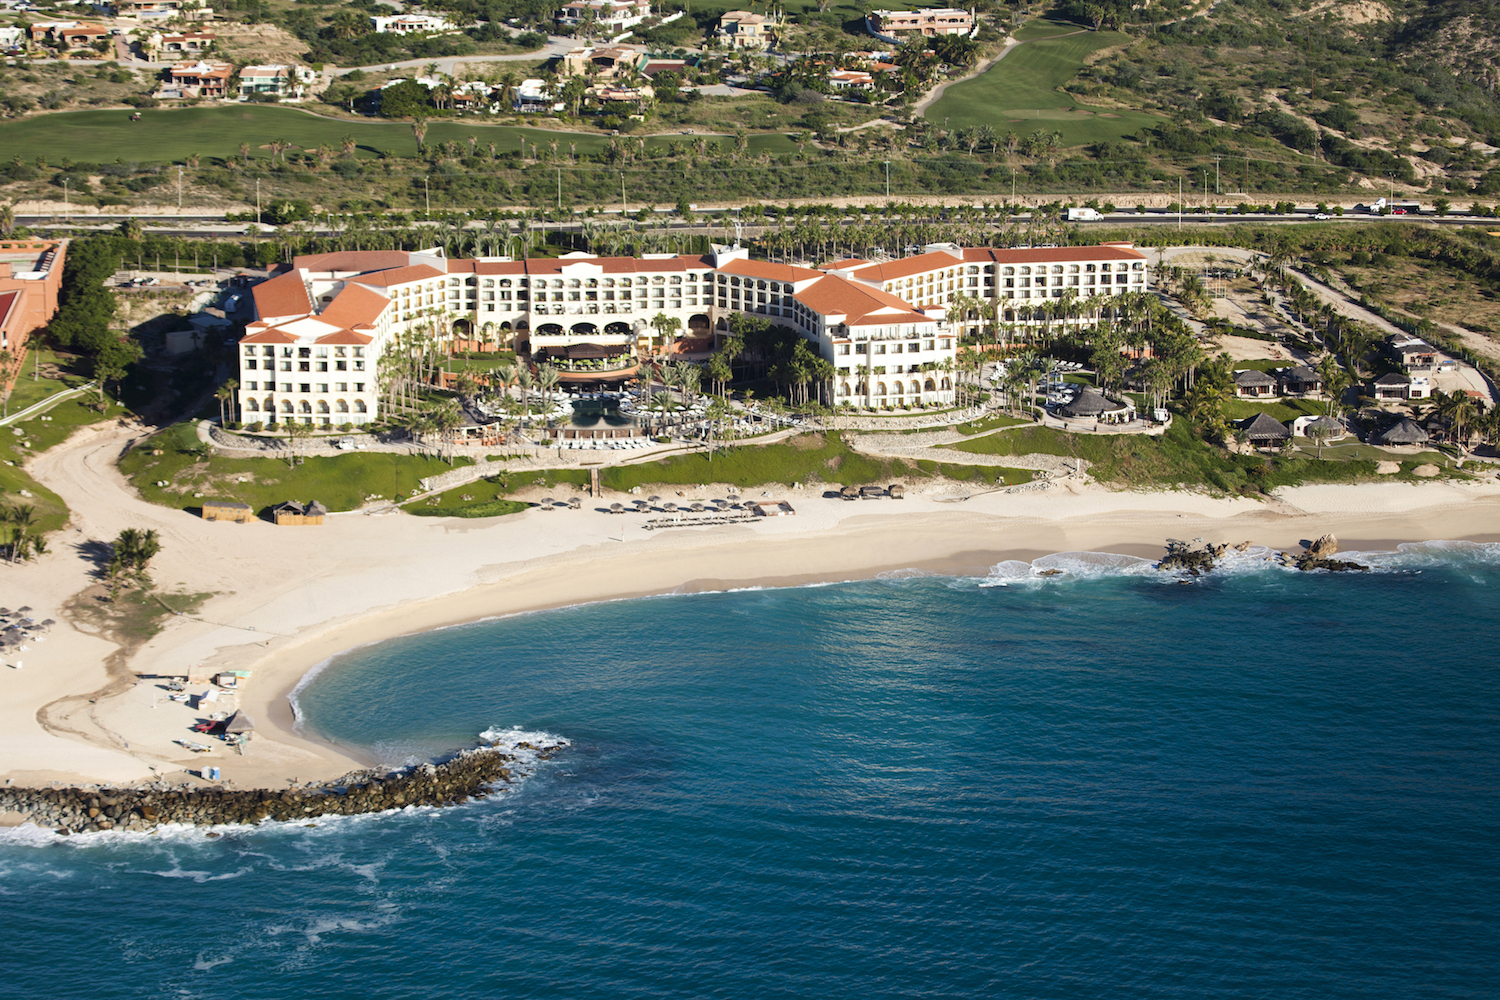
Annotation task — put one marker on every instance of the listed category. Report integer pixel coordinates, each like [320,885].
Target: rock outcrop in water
[1185,557]
[468,775]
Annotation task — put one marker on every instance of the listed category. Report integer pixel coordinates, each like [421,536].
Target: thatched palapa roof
[1404,432]
[239,722]
[1264,427]
[1091,403]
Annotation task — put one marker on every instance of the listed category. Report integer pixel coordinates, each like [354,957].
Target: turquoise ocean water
[1094,784]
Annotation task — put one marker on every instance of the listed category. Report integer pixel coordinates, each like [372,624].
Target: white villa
[321,327]
[411,24]
[613,15]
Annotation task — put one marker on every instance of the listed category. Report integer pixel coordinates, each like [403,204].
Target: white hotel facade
[312,354]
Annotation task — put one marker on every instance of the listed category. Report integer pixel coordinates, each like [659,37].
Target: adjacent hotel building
[322,325]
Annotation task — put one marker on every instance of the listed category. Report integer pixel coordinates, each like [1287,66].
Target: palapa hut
[1093,403]
[1265,431]
[1326,427]
[238,724]
[1405,432]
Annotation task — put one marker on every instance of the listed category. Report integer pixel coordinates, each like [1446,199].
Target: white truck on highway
[1084,215]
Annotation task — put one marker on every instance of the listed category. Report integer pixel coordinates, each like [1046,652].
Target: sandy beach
[285,600]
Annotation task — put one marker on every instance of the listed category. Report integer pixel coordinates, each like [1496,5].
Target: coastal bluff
[469,774]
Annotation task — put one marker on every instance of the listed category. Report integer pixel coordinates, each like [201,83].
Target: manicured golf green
[1022,92]
[171,135]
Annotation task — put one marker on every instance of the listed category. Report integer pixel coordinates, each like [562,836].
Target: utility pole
[559,189]
[179,190]
[67,215]
[257,203]
[1012,189]
[427,195]
[887,180]
[1179,203]
[624,208]
[1216,174]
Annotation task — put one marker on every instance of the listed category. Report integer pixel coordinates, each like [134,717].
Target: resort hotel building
[324,322]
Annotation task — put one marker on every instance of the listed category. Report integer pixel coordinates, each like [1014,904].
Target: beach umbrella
[547,502]
[237,723]
[617,508]
[654,500]
[48,621]
[734,496]
[669,507]
[698,507]
[22,611]
[896,490]
[7,611]
[575,503]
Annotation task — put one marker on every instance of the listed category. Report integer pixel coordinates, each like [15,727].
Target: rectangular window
[342,386]
[359,387]
[359,366]
[286,366]
[286,387]
[322,366]
[250,364]
[342,366]
[250,386]
[322,386]
[304,387]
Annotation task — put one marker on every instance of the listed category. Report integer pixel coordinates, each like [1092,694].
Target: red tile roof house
[30,275]
[197,79]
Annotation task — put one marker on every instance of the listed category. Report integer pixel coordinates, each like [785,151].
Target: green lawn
[1283,410]
[1178,457]
[171,135]
[1021,93]
[339,483]
[483,501]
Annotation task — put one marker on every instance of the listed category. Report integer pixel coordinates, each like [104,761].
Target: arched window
[930,387]
[914,387]
[322,406]
[359,406]
[341,406]
[844,389]
[306,406]
[880,388]
[946,385]
[1057,269]
[286,406]
[1009,270]
[252,405]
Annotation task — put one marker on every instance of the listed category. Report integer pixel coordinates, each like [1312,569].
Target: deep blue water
[1091,785]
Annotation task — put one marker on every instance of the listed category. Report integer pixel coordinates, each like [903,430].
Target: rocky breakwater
[1192,559]
[1318,554]
[470,774]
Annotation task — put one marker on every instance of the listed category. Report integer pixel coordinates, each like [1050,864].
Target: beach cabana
[1314,426]
[1265,431]
[238,724]
[1404,432]
[227,510]
[1093,403]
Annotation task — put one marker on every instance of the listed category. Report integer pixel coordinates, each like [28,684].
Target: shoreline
[285,601]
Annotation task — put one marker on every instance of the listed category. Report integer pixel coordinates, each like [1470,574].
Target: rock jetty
[470,774]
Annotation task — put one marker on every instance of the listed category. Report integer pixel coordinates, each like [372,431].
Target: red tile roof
[345,337]
[271,336]
[354,260]
[621,265]
[769,271]
[400,275]
[859,304]
[284,295]
[355,306]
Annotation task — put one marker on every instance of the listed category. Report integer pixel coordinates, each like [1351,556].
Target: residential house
[197,79]
[1396,386]
[1413,353]
[850,79]
[531,96]
[604,62]
[293,513]
[273,78]
[1298,380]
[188,10]
[898,25]
[740,29]
[189,45]
[1252,384]
[30,276]
[411,24]
[610,15]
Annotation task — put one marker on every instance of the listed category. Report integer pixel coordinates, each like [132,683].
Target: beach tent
[238,723]
[1404,432]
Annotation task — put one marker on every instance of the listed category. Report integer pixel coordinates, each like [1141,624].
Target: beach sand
[287,599]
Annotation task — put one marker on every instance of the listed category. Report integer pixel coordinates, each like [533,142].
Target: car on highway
[1322,216]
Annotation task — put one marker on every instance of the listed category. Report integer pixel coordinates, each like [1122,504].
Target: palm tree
[279,148]
[225,395]
[419,129]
